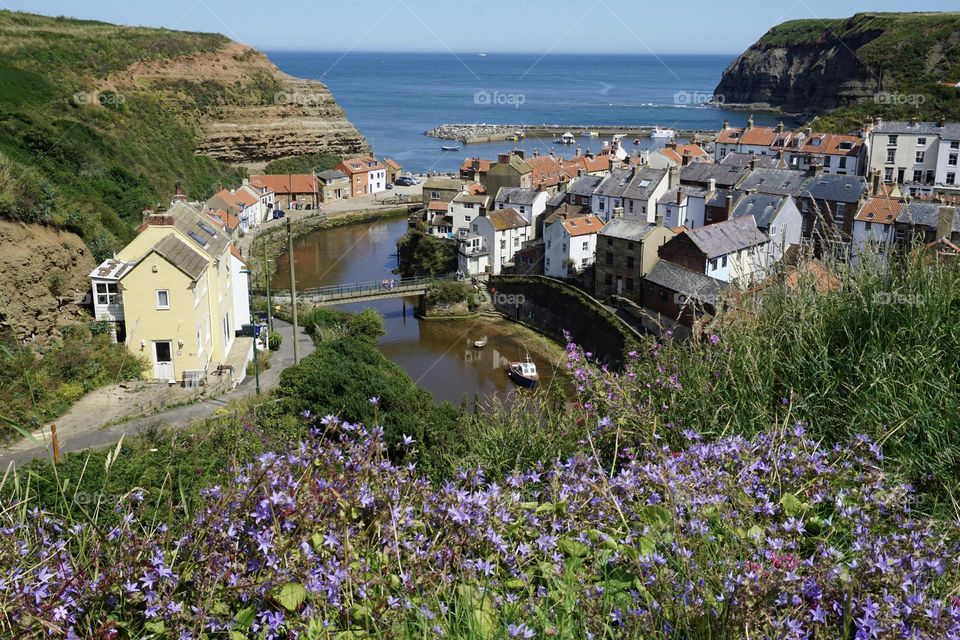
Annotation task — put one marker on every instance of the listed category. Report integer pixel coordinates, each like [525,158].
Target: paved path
[177,418]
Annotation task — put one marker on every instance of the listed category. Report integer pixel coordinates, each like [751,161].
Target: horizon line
[267,49]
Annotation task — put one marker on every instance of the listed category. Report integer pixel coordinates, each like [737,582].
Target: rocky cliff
[43,279]
[812,66]
[251,112]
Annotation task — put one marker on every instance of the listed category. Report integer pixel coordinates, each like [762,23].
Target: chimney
[579,151]
[753,163]
[875,190]
[520,153]
[476,164]
[679,196]
[729,205]
[779,128]
[672,145]
[750,122]
[726,124]
[942,122]
[711,185]
[807,132]
[687,157]
[945,222]
[618,212]
[673,177]
[476,177]
[612,162]
[503,158]
[581,172]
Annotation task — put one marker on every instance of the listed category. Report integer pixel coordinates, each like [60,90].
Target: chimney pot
[729,205]
[711,185]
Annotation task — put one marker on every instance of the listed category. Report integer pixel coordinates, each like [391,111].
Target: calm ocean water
[394,97]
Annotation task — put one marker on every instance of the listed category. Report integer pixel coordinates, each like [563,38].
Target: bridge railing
[360,289]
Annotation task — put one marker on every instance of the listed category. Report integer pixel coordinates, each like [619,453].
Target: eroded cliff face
[251,112]
[43,279]
[801,78]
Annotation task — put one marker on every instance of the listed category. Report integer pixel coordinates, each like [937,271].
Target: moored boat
[523,373]
[479,344]
[662,133]
[444,147]
[566,138]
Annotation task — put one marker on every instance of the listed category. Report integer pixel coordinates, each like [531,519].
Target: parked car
[405,181]
[277,214]
[389,186]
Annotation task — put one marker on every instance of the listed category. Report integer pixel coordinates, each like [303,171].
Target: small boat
[479,344]
[523,373]
[662,133]
[444,147]
[566,138]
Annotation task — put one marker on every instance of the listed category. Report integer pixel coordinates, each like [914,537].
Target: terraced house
[177,296]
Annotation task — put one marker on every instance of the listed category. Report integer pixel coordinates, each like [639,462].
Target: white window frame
[106,296]
[166,293]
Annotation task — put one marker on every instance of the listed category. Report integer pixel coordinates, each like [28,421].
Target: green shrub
[274,340]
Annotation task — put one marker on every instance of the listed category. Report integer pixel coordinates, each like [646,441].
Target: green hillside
[87,161]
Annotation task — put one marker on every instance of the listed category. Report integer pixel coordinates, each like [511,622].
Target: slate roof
[743,160]
[181,255]
[643,183]
[331,174]
[950,131]
[557,199]
[836,188]
[701,172]
[516,195]
[719,197]
[443,184]
[726,237]
[682,280]
[670,197]
[627,229]
[584,185]
[926,214]
[193,224]
[784,182]
[763,208]
[503,219]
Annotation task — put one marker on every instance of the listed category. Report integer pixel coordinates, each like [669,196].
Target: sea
[393,98]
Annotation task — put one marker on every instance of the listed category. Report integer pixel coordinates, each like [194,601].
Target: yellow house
[176,295]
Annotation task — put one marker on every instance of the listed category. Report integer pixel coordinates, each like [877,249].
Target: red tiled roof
[361,164]
[830,144]
[484,165]
[437,205]
[761,136]
[730,135]
[879,210]
[236,253]
[583,226]
[231,221]
[288,183]
[574,165]
[476,189]
[677,154]
[246,197]
[547,171]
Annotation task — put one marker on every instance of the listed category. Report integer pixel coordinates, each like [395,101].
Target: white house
[906,153]
[241,288]
[466,206]
[528,202]
[948,165]
[263,207]
[775,215]
[874,228]
[570,245]
[684,206]
[499,235]
[733,251]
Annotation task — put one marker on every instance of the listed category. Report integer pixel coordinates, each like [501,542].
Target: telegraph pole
[253,325]
[293,292]
[266,278]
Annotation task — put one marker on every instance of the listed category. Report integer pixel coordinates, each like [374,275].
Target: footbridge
[359,291]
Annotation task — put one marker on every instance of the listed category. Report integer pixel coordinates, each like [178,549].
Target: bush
[448,292]
[274,340]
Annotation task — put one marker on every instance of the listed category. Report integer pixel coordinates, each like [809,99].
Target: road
[176,418]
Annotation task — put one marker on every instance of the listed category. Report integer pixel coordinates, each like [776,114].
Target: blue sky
[538,26]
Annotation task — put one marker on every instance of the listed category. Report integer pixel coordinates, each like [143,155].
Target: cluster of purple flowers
[772,536]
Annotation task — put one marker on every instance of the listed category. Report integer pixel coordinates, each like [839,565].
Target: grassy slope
[93,167]
[914,50]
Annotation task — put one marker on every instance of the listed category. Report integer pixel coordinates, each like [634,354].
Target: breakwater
[486,133]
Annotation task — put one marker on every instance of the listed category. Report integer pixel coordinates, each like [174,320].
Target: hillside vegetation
[87,160]
[816,66]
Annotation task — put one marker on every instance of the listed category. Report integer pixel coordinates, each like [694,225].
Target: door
[163,360]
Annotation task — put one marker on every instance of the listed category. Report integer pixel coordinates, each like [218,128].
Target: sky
[537,26]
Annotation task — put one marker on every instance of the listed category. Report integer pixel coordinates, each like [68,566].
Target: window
[951,178]
[434,195]
[826,161]
[843,163]
[163,299]
[723,263]
[586,245]
[629,285]
[805,206]
[199,342]
[955,144]
[868,226]
[713,265]
[516,242]
[892,140]
[583,262]
[226,328]
[609,257]
[601,202]
[548,262]
[466,218]
[608,279]
[629,262]
[888,174]
[564,247]
[952,160]
[891,156]
[918,176]
[609,242]
[503,243]
[920,156]
[838,213]
[921,142]
[107,293]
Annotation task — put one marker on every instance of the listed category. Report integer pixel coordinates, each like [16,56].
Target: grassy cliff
[72,155]
[887,64]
